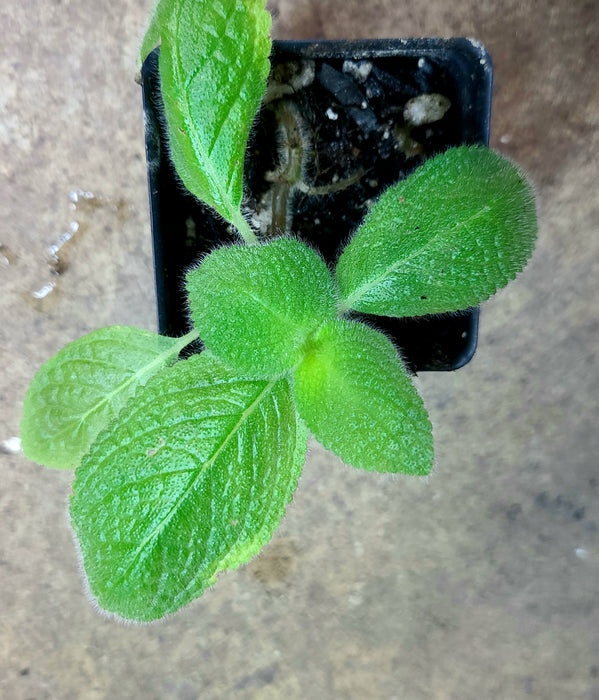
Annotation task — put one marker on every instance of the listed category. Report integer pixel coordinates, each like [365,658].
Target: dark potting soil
[351,128]
[345,122]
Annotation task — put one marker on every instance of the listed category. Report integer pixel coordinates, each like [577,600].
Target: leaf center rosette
[272,310]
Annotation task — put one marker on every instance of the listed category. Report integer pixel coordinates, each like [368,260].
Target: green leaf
[80,390]
[161,12]
[192,481]
[355,396]
[254,306]
[213,69]
[446,238]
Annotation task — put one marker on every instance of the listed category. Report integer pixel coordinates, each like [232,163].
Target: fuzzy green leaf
[446,238]
[194,480]
[355,396]
[254,306]
[76,393]
[213,69]
[159,17]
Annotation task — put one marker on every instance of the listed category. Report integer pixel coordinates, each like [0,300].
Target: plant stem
[244,229]
[185,340]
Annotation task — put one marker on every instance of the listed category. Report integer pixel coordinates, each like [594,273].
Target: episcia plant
[184,467]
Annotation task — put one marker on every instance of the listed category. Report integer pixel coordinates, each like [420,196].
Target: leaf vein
[363,290]
[157,529]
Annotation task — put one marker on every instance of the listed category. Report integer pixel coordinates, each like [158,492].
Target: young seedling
[183,468]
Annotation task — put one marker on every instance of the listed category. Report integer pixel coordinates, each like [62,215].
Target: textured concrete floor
[482,582]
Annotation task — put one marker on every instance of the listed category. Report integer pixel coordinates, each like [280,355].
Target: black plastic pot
[350,98]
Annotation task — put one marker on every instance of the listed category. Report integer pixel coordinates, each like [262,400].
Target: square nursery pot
[341,121]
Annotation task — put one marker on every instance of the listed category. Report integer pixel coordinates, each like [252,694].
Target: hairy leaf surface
[76,393]
[446,238]
[192,481]
[355,396]
[254,306]
[213,69]
[159,17]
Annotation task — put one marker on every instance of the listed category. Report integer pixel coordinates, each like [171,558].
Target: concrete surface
[481,582]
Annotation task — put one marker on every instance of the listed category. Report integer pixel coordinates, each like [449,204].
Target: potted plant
[351,118]
[183,468]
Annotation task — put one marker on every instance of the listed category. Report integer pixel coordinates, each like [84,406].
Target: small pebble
[426,109]
[11,446]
